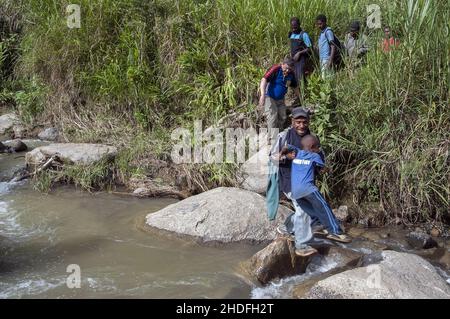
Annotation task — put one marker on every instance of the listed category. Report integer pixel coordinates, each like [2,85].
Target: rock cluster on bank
[73,153]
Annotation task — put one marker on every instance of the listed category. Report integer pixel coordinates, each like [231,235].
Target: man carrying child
[300,223]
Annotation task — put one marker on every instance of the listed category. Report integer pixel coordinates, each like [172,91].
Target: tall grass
[136,68]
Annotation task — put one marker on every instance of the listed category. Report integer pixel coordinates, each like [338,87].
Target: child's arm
[320,164]
[290,151]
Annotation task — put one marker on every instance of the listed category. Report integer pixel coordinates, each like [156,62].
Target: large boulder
[254,172]
[49,134]
[72,153]
[396,276]
[7,122]
[224,214]
[277,260]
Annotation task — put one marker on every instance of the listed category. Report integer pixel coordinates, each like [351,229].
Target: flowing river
[42,234]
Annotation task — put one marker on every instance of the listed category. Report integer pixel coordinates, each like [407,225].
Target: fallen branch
[43,167]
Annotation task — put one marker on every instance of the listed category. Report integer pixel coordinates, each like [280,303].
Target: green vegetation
[88,177]
[137,69]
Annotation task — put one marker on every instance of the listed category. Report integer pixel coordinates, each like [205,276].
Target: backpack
[296,44]
[309,57]
[338,59]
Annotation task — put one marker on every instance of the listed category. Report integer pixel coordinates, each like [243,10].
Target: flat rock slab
[396,276]
[16,145]
[224,214]
[73,153]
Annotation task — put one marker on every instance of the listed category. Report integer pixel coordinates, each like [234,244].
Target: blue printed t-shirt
[278,84]
[326,36]
[302,175]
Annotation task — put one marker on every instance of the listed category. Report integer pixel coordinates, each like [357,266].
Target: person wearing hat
[299,226]
[356,44]
[299,222]
[273,88]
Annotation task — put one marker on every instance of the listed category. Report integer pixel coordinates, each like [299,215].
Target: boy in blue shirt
[306,193]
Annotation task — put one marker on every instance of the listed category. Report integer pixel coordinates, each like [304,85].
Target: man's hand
[262,101]
[262,93]
[296,56]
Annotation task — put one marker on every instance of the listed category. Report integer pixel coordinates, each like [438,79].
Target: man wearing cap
[356,44]
[299,223]
[272,90]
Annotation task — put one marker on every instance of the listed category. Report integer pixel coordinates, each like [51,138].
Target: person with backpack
[330,48]
[300,48]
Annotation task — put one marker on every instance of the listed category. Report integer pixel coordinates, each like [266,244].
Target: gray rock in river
[224,214]
[16,145]
[277,260]
[341,260]
[420,240]
[397,276]
[73,153]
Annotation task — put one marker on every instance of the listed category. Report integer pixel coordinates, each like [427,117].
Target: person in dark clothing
[300,223]
[300,48]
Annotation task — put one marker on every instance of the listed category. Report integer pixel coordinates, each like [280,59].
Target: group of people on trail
[296,157]
[292,71]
